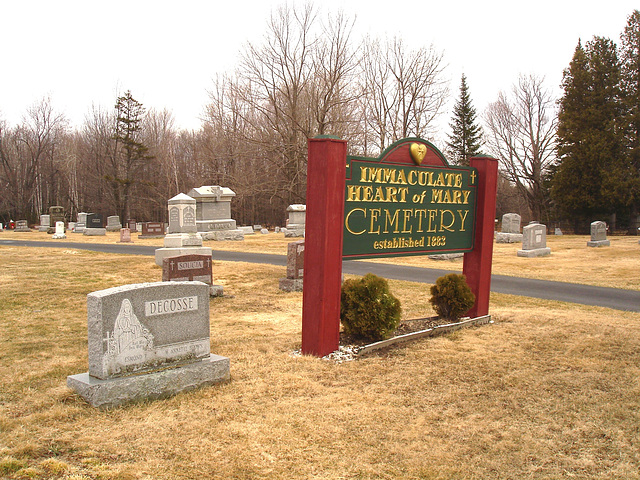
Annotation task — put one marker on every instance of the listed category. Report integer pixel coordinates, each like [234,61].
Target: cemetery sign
[408,201]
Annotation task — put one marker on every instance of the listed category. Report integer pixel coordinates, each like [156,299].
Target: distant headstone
[295,268]
[247,230]
[277,230]
[558,231]
[213,213]
[598,235]
[534,241]
[113,223]
[59,231]
[22,226]
[184,268]
[81,223]
[125,236]
[182,239]
[56,214]
[296,221]
[152,230]
[148,341]
[95,225]
[72,226]
[510,232]
[44,223]
[264,231]
[131,224]
[257,228]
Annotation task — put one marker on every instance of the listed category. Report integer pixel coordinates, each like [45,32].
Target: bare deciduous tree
[521,133]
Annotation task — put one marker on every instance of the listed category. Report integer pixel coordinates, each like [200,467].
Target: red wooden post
[477,263]
[326,171]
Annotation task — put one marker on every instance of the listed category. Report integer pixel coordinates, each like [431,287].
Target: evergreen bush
[368,309]
[451,296]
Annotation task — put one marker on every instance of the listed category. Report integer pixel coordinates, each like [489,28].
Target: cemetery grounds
[549,390]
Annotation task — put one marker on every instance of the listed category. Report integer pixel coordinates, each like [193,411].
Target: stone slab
[94,231]
[162,253]
[502,237]
[293,233]
[105,394]
[173,240]
[536,252]
[599,243]
[247,230]
[225,235]
[291,284]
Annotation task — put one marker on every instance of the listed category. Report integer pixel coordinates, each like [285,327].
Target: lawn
[549,390]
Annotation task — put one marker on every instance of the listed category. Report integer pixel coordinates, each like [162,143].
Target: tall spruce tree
[589,179]
[465,140]
[129,153]
[630,86]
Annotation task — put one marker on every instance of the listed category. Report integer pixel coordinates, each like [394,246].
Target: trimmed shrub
[368,309]
[451,297]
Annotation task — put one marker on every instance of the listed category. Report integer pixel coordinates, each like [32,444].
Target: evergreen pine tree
[130,152]
[465,140]
[588,181]
[630,86]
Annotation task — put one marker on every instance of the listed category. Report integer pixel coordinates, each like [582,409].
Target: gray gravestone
[183,238]
[22,226]
[44,223]
[247,230]
[213,213]
[81,223]
[534,241]
[598,235]
[95,225]
[148,341]
[510,232]
[296,221]
[113,223]
[295,268]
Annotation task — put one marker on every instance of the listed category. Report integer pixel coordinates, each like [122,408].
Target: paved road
[566,292]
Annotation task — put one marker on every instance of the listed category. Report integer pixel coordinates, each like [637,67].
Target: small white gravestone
[148,341]
[534,241]
[59,231]
[598,235]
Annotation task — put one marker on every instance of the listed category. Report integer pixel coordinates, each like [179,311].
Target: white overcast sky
[86,52]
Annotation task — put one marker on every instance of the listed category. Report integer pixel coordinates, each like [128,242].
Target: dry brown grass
[550,390]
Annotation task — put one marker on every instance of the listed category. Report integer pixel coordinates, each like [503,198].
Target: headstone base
[290,233]
[174,240]
[114,228]
[599,243]
[447,256]
[162,253]
[95,231]
[105,394]
[291,284]
[58,236]
[23,229]
[536,252]
[508,237]
[223,235]
[216,291]
[43,228]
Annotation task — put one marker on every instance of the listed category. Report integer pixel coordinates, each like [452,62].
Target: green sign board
[408,201]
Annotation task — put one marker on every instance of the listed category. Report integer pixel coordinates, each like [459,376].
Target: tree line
[575,158]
